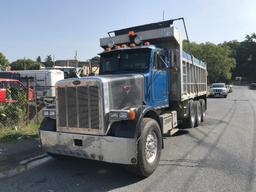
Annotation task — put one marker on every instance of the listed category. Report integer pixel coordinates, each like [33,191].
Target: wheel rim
[151,147]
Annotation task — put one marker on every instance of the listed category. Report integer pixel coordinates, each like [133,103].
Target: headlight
[113,115]
[49,113]
[123,115]
[46,113]
[119,115]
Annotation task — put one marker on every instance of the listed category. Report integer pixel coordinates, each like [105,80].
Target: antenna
[163,15]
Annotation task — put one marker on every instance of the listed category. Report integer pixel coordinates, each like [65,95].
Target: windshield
[125,61]
[221,85]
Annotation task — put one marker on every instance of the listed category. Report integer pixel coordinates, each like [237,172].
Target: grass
[14,134]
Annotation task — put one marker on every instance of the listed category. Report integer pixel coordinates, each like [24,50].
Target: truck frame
[146,87]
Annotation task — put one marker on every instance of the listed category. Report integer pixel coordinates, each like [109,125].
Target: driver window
[159,62]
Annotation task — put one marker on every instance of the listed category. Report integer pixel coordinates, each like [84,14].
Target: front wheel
[149,147]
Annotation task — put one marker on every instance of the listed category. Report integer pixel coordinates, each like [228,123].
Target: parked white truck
[147,85]
[42,81]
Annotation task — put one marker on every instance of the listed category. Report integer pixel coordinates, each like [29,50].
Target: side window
[160,62]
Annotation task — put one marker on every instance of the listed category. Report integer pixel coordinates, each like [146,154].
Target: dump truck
[147,88]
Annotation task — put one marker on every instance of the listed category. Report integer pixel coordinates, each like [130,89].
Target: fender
[131,129]
[146,111]
[48,124]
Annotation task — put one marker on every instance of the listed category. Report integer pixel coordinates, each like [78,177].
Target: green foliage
[48,61]
[218,59]
[3,62]
[25,64]
[11,134]
[245,54]
[38,59]
[12,114]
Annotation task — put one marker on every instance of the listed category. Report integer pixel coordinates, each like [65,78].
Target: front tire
[149,147]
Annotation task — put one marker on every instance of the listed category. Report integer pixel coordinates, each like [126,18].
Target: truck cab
[149,61]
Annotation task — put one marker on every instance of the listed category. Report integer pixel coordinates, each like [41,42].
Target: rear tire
[203,109]
[198,113]
[149,147]
[191,120]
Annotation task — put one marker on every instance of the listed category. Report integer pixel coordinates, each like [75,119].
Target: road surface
[219,155]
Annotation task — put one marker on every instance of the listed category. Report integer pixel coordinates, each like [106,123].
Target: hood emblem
[127,88]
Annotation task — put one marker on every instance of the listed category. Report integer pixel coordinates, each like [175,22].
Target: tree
[38,59]
[3,62]
[218,59]
[245,54]
[48,61]
[25,64]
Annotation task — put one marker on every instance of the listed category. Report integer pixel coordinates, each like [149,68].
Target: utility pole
[76,59]
[24,65]
[53,59]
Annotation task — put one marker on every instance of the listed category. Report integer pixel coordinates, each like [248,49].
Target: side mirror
[2,95]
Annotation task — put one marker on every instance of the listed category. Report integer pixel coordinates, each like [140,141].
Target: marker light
[123,46]
[132,114]
[108,49]
[131,33]
[132,45]
[117,46]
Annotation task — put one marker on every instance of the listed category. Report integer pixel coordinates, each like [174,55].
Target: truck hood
[123,90]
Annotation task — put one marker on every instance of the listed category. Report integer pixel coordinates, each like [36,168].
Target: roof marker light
[108,49]
[132,45]
[123,46]
[131,33]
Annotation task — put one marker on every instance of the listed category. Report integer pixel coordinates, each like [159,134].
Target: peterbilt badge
[76,82]
[127,88]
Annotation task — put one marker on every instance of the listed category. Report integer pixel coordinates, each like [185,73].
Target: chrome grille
[79,107]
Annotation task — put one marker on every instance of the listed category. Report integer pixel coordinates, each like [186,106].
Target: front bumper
[102,148]
[219,94]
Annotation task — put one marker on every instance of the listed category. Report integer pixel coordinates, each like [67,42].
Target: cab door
[159,80]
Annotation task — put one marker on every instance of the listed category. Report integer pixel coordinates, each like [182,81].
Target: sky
[32,28]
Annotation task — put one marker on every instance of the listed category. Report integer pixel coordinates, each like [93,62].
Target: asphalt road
[219,155]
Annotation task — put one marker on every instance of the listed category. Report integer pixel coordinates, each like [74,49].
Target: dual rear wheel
[196,113]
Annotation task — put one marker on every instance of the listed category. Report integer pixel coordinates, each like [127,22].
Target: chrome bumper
[102,148]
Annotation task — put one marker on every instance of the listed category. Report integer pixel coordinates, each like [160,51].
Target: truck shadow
[84,175]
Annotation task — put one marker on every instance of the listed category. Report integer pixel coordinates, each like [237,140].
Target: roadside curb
[25,165]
